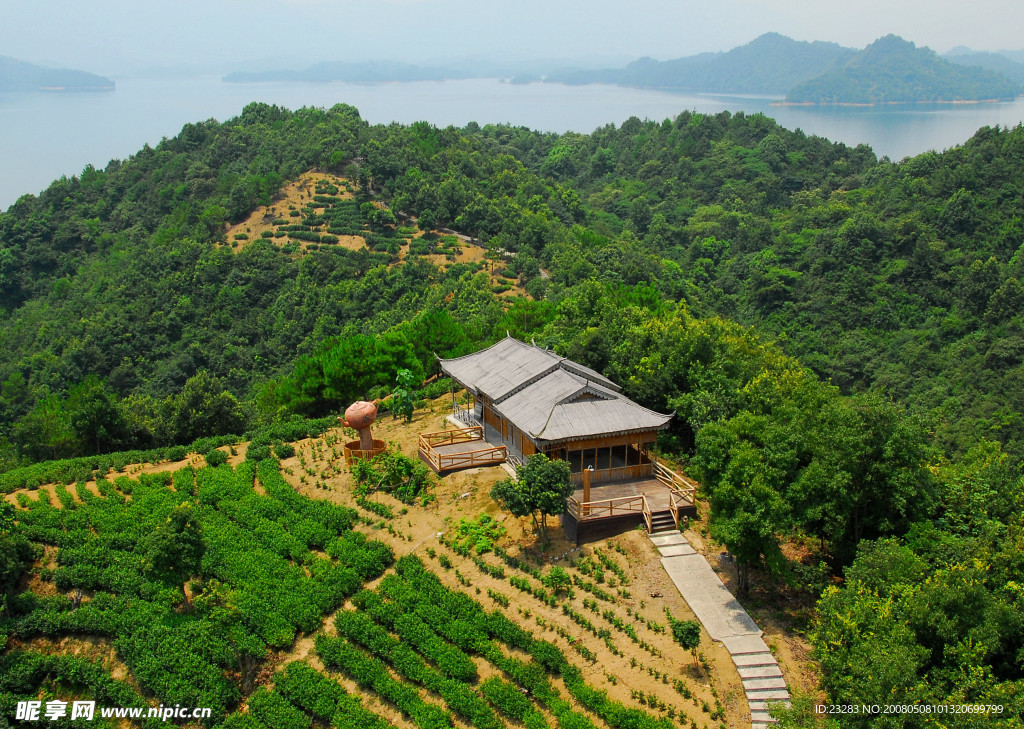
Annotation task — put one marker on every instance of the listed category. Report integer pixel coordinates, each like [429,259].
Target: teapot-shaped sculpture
[360,416]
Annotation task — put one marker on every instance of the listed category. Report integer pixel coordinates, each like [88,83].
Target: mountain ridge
[822,73]
[18,75]
[739,70]
[998,62]
[894,70]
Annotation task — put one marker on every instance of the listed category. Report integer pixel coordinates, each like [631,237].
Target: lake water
[44,136]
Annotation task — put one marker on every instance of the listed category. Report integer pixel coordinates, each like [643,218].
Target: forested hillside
[998,62]
[890,70]
[894,70]
[881,426]
[769,64]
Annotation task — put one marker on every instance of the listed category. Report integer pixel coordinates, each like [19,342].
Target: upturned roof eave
[606,434]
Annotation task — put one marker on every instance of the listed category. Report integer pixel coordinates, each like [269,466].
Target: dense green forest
[841,336]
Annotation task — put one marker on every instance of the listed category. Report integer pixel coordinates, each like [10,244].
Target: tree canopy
[540,488]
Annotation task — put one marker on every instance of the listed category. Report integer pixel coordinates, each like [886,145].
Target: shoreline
[59,89]
[951,102]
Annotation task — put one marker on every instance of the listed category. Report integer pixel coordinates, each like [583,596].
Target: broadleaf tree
[175,549]
[540,488]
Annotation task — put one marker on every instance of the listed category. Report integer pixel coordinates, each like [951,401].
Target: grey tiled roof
[549,397]
[501,368]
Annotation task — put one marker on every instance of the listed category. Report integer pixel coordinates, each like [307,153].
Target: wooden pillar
[586,491]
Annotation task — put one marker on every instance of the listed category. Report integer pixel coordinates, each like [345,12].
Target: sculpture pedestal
[355,451]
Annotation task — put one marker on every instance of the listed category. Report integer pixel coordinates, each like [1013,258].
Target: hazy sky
[123,36]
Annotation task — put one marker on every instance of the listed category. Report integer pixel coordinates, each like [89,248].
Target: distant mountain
[894,70]
[769,64]
[958,51]
[1016,56]
[990,61]
[18,75]
[370,72]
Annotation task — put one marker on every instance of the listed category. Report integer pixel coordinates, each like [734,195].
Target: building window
[618,456]
[603,459]
[575,461]
[637,455]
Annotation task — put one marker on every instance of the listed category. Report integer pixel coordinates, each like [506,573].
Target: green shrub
[216,458]
[402,477]
[375,507]
[257,452]
[435,389]
[480,534]
[275,711]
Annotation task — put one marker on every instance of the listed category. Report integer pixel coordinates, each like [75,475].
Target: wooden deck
[665,493]
[450,450]
[625,498]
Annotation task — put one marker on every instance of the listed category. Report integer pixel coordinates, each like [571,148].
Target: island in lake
[893,70]
[18,75]
[890,70]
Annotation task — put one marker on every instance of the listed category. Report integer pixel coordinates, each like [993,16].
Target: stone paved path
[726,621]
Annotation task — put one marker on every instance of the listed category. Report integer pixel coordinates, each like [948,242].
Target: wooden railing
[647,515]
[621,473]
[680,486]
[674,502]
[464,413]
[468,459]
[488,455]
[448,437]
[621,506]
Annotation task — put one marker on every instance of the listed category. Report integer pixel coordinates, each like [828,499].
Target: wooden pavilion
[528,400]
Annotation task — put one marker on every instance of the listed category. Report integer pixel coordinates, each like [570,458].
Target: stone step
[763,705]
[757,684]
[772,671]
[761,717]
[743,660]
[768,695]
[668,538]
[677,550]
[743,644]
